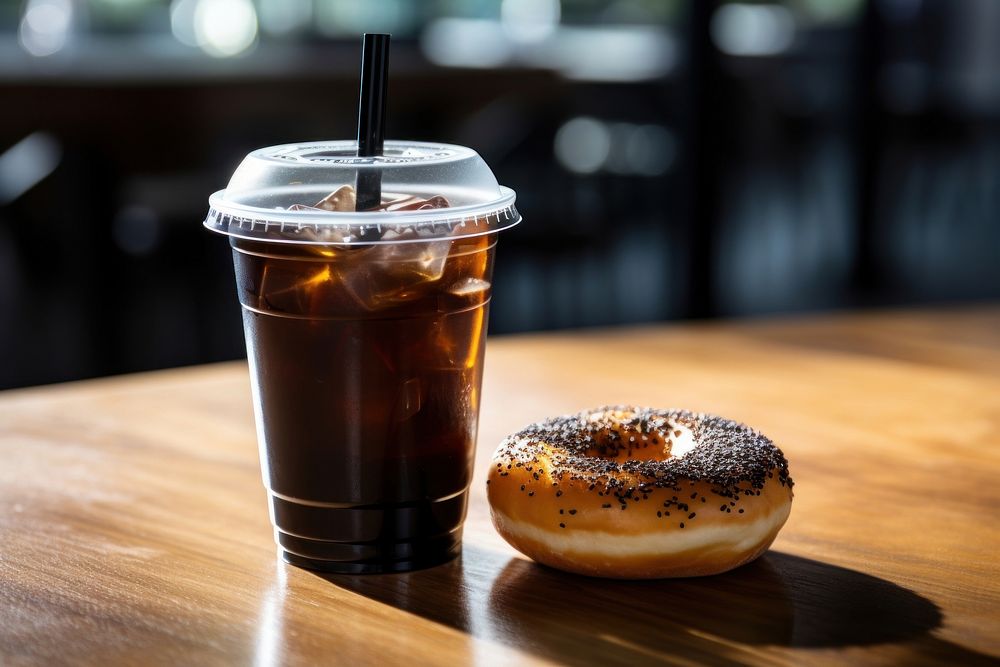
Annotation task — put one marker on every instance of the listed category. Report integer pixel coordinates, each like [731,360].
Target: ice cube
[342,199]
[388,274]
[469,286]
[414,203]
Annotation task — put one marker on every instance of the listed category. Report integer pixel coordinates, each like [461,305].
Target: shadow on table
[779,600]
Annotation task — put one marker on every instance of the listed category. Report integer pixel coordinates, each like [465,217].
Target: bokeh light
[45,26]
[582,145]
[530,20]
[753,30]
[220,28]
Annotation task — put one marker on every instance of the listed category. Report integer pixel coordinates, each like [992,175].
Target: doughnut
[639,493]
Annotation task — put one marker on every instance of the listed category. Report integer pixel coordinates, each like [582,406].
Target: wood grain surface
[134,528]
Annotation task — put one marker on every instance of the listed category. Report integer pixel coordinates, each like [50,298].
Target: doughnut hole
[624,442]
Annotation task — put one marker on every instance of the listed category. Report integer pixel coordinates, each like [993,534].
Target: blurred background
[673,158]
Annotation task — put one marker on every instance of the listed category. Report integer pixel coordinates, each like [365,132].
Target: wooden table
[133,524]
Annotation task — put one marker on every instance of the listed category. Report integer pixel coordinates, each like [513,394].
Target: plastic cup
[365,334]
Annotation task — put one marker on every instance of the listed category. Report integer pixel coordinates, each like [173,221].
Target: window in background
[672,158]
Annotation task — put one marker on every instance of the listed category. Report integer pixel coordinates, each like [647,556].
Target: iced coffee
[365,334]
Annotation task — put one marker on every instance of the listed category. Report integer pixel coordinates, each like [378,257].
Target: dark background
[672,159]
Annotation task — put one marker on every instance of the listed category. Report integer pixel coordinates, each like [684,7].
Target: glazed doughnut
[637,493]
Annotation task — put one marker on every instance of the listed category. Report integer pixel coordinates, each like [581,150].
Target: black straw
[371,115]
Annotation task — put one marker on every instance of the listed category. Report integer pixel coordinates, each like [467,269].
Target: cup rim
[283,226]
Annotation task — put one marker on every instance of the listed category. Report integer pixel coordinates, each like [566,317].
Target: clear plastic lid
[304,193]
